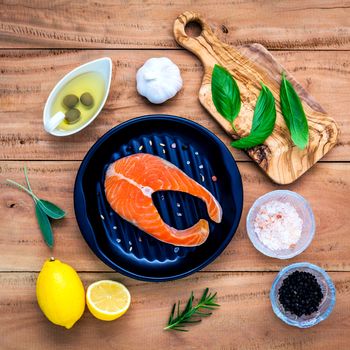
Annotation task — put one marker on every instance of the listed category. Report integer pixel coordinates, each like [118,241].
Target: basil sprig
[226,98]
[225,93]
[263,121]
[43,210]
[294,114]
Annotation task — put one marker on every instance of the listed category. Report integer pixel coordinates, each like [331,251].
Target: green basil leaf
[50,209]
[263,121]
[44,225]
[225,93]
[294,114]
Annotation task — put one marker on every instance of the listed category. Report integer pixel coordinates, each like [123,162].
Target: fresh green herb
[44,224]
[225,93]
[50,209]
[263,121]
[191,314]
[294,114]
[43,210]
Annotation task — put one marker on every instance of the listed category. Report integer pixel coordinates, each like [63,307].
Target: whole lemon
[60,293]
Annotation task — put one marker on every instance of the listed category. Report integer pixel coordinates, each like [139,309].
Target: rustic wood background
[40,41]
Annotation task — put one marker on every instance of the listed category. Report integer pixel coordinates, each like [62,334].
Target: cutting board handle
[200,45]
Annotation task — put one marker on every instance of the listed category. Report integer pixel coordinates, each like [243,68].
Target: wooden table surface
[40,41]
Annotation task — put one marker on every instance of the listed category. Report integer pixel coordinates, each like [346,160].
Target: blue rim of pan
[80,205]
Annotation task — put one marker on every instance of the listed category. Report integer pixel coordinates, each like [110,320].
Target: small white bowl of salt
[281,224]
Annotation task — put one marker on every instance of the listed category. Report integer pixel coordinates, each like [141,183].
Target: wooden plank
[326,187]
[27,77]
[245,315]
[312,24]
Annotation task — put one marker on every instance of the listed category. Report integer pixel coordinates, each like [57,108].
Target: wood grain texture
[22,248]
[27,77]
[245,319]
[300,24]
[250,65]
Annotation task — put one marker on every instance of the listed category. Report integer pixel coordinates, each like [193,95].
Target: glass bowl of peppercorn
[302,295]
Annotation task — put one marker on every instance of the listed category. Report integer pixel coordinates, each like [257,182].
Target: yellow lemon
[60,293]
[107,300]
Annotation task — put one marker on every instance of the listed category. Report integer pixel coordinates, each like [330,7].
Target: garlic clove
[151,75]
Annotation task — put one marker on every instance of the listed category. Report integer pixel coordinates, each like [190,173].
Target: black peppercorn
[300,293]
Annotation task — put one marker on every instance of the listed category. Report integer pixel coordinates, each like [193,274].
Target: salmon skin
[130,183]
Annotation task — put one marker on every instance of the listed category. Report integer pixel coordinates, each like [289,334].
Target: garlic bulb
[158,79]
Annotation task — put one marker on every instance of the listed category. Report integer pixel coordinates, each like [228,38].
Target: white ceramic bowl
[304,211]
[102,66]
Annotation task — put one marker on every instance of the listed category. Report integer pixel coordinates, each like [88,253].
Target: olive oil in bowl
[89,91]
[78,98]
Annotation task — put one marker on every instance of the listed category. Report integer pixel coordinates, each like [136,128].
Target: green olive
[86,99]
[70,101]
[72,116]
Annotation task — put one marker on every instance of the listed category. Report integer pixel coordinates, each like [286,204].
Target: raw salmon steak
[129,185]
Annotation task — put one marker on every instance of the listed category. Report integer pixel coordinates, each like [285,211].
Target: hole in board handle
[193,29]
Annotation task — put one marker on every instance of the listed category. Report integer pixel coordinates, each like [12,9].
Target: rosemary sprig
[191,314]
[43,210]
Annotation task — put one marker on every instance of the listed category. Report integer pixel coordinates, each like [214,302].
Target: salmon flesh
[130,183]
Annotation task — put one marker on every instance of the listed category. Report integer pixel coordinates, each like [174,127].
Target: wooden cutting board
[279,158]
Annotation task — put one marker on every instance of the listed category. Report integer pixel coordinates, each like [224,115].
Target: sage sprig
[191,313]
[263,121]
[225,93]
[293,113]
[43,210]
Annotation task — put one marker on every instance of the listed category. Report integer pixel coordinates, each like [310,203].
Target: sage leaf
[263,121]
[225,93]
[44,225]
[43,210]
[293,113]
[50,209]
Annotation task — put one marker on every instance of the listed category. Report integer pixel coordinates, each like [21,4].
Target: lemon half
[107,300]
